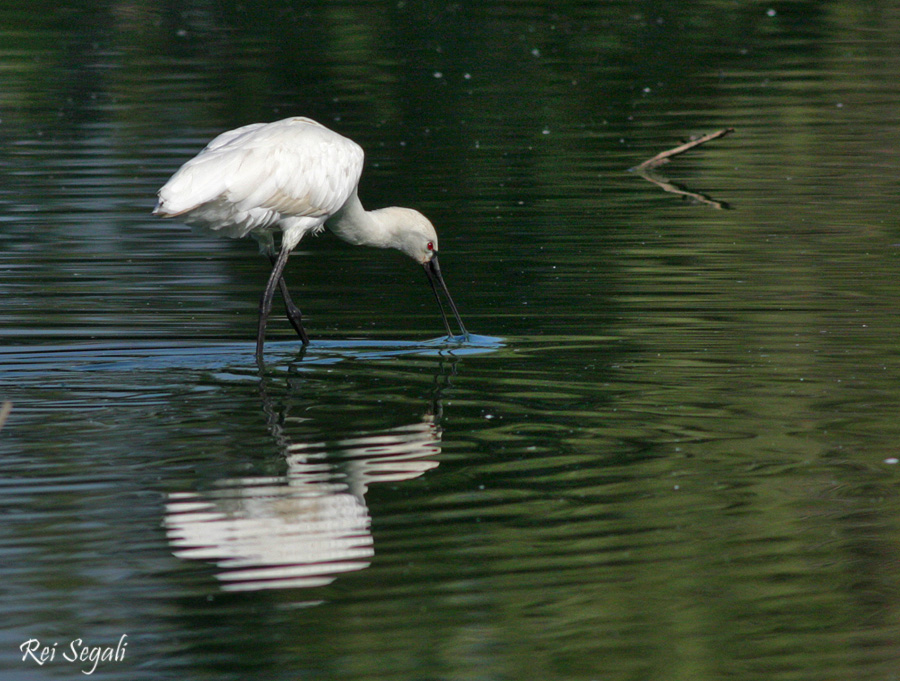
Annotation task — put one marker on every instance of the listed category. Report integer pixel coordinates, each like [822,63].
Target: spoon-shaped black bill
[433,270]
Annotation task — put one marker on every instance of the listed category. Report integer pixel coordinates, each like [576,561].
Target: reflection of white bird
[305,528]
[296,176]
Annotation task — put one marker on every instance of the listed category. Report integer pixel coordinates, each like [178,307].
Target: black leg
[293,312]
[265,305]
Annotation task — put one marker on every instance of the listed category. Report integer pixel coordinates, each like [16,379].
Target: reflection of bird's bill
[433,270]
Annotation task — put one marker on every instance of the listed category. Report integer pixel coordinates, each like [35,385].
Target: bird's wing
[225,137]
[294,167]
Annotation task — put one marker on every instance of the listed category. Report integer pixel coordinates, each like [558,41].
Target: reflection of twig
[664,157]
[673,188]
[5,408]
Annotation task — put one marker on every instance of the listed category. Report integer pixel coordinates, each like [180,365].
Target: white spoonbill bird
[296,176]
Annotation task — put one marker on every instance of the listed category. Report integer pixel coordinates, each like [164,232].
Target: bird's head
[413,234]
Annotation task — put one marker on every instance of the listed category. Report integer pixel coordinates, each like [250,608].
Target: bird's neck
[360,227]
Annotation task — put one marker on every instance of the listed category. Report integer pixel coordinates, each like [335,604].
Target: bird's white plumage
[291,175]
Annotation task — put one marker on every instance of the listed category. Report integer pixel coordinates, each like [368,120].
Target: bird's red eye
[430,246]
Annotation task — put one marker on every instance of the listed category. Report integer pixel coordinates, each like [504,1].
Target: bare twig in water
[664,157]
[5,408]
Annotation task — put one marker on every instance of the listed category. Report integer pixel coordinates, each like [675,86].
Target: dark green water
[669,453]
